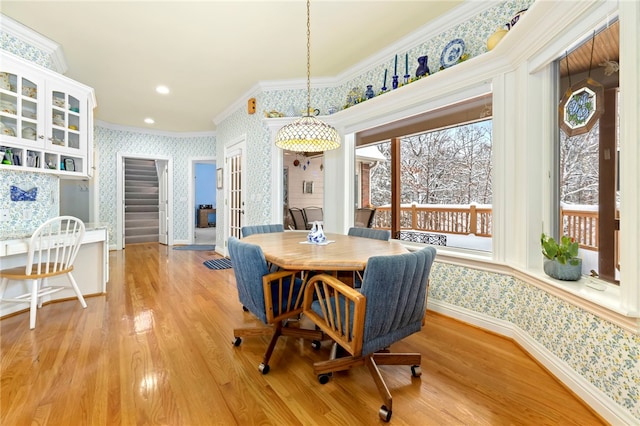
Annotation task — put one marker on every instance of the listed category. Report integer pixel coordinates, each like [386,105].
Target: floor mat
[223,263]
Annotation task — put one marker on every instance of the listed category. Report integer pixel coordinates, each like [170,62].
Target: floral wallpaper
[602,353]
[26,216]
[24,50]
[473,32]
[110,142]
[46,204]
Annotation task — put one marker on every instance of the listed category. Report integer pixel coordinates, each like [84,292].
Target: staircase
[141,217]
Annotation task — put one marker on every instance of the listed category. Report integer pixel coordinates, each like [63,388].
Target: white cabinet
[46,120]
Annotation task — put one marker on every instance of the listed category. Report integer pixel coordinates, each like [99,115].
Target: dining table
[290,250]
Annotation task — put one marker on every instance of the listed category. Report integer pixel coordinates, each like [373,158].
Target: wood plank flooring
[156,350]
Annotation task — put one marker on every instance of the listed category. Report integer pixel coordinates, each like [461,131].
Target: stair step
[141,223]
[141,200]
[142,239]
[141,208]
[144,230]
[140,183]
[142,215]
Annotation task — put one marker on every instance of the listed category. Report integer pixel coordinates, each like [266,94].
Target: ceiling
[210,53]
[603,46]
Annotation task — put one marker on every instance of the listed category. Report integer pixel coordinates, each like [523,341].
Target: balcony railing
[449,220]
[464,220]
[582,226]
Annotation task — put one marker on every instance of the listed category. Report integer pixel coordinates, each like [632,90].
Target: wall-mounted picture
[219,178]
[307,187]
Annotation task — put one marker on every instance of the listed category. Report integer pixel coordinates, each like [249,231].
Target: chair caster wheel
[384,413]
[237,341]
[244,308]
[264,369]
[324,378]
[315,344]
[416,371]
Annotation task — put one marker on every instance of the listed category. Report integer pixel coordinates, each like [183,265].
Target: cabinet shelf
[46,120]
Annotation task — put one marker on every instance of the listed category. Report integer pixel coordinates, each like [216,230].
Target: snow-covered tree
[449,166]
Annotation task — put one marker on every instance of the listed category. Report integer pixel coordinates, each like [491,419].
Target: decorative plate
[452,53]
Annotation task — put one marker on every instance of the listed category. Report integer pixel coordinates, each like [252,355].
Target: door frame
[120,193]
[191,189]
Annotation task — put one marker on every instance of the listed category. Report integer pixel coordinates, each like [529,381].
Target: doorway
[202,201]
[146,215]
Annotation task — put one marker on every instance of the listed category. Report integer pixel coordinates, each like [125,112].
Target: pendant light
[308,134]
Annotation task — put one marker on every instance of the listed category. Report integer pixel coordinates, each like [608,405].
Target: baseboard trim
[598,401]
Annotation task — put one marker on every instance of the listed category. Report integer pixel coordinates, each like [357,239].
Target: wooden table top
[347,253]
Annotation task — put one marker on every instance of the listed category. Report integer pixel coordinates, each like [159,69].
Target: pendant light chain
[308,134]
[308,57]
[593,42]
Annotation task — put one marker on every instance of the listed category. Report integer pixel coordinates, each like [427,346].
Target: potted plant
[561,258]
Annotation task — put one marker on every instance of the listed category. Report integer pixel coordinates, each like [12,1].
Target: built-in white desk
[91,268]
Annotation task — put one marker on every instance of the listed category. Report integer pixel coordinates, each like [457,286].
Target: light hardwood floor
[156,350]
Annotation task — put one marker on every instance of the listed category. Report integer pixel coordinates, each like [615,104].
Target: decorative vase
[8,157]
[369,92]
[515,19]
[566,272]
[495,38]
[423,68]
[316,234]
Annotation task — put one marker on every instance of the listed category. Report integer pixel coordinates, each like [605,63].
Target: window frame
[624,299]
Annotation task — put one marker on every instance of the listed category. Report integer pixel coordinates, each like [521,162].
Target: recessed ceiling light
[149,120]
[163,90]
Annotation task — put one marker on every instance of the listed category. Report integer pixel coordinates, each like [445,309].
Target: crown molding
[146,131]
[275,85]
[37,40]
[460,14]
[455,17]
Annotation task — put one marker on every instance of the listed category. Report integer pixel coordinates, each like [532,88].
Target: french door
[234,178]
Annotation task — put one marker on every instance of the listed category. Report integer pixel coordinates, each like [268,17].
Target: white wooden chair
[52,250]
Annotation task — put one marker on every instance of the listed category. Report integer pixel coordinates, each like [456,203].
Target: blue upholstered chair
[376,234]
[261,229]
[390,306]
[272,297]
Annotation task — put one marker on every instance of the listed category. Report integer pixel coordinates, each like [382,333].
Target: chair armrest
[342,310]
[282,288]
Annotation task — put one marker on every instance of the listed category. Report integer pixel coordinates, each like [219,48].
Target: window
[433,184]
[589,157]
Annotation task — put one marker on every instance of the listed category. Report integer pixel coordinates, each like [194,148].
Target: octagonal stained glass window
[581,107]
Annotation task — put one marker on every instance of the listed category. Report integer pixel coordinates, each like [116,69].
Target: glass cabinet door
[19,108]
[21,133]
[66,121]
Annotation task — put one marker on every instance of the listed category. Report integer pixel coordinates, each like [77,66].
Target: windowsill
[598,297]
